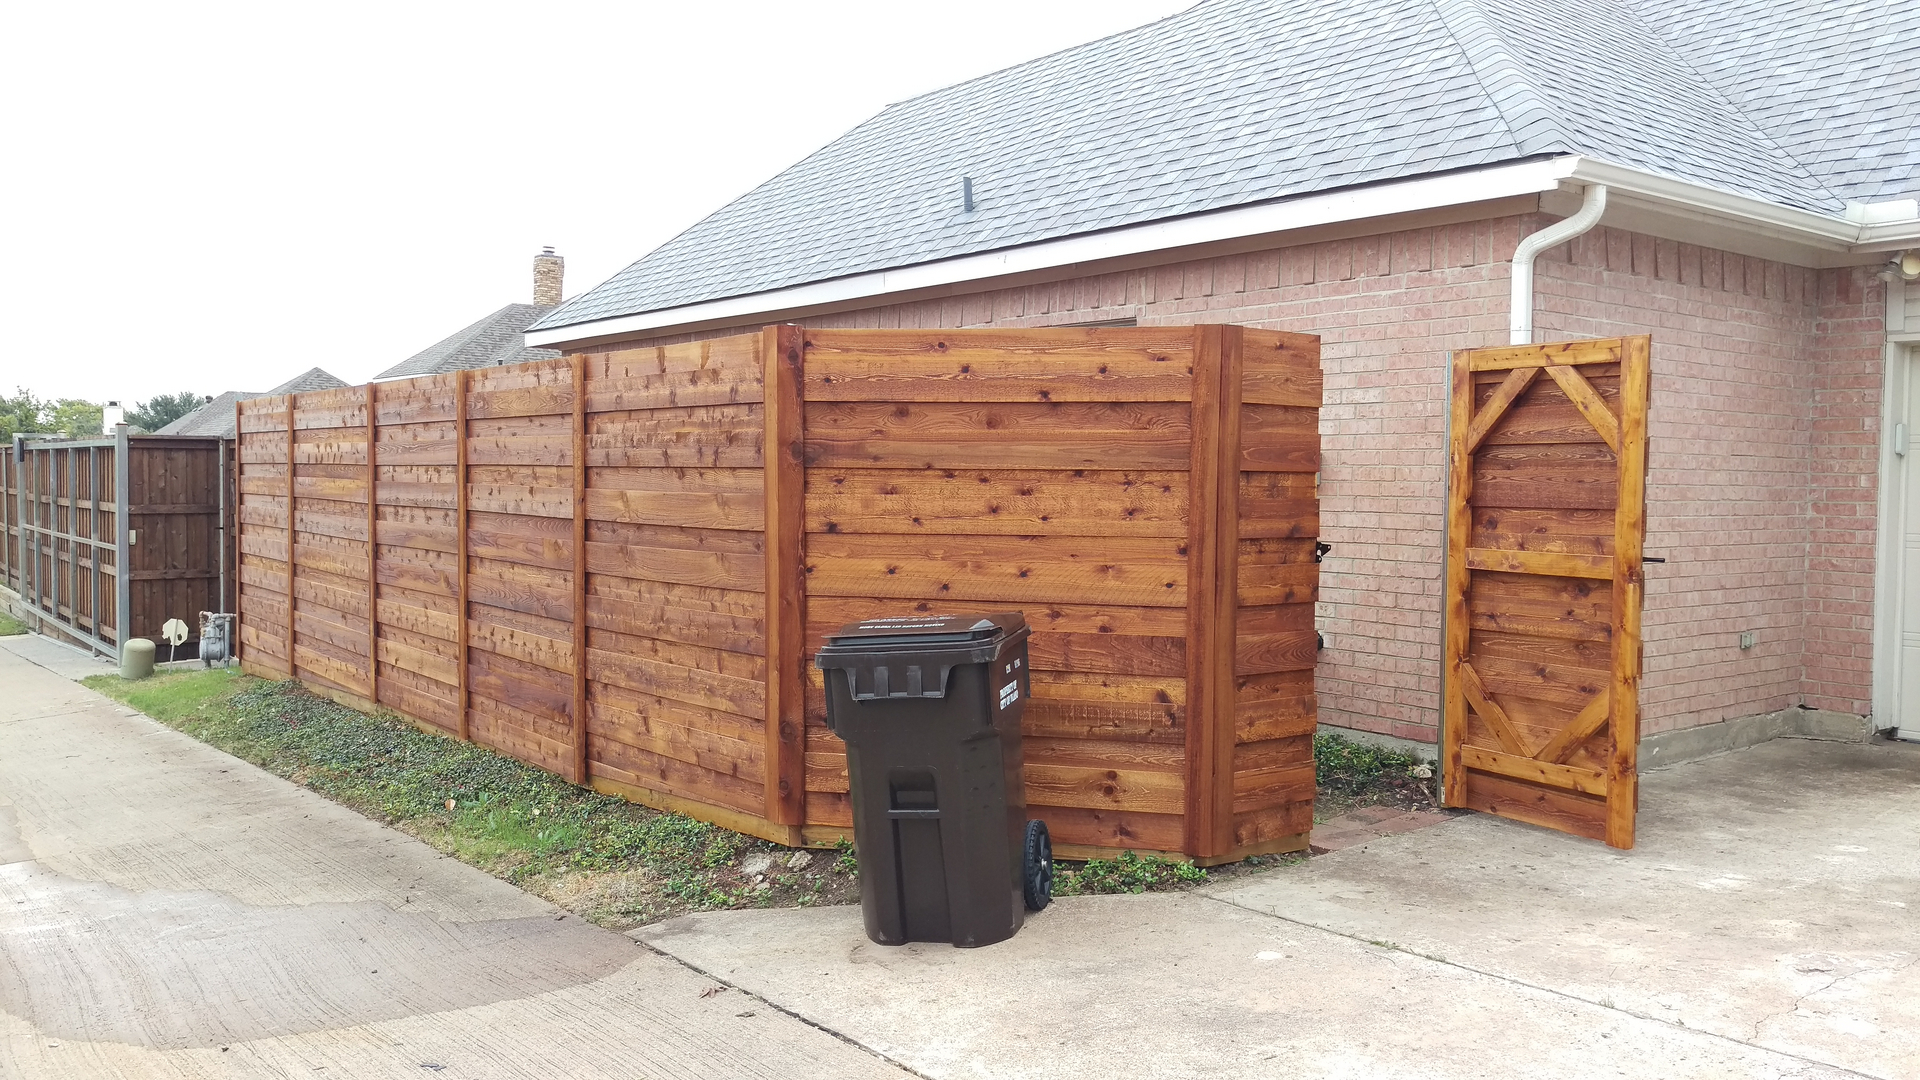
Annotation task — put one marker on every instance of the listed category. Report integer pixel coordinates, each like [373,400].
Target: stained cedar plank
[521,499]
[643,770]
[1587,659]
[1571,531]
[519,588]
[746,697]
[672,622]
[347,633]
[696,598]
[1256,789]
[706,436]
[675,538]
[739,758]
[442,496]
[1279,438]
[1545,416]
[1069,718]
[1139,790]
[1054,364]
[1273,705]
[1020,502]
[1605,351]
[1112,829]
[635,642]
[1580,815]
[429,665]
[1505,677]
[708,569]
[1280,368]
[1278,505]
[678,389]
[826,770]
[1061,435]
[634,715]
[524,688]
[413,704]
[1549,563]
[744,510]
[1283,827]
[1108,653]
[1274,571]
[1585,781]
[739,351]
[1258,652]
[1103,753]
[828,613]
[417,535]
[524,643]
[1007,570]
[684,481]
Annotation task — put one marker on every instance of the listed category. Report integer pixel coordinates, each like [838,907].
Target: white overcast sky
[212,196]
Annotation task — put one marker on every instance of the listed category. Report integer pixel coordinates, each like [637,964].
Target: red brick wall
[1747,400]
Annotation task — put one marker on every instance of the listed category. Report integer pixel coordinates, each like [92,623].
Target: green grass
[10,626]
[511,819]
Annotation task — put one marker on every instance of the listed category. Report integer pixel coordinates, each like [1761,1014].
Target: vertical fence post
[239,507]
[581,773]
[93,548]
[373,560]
[123,541]
[783,461]
[293,665]
[1212,588]
[460,380]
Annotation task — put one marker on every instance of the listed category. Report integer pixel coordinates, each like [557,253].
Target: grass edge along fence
[616,565]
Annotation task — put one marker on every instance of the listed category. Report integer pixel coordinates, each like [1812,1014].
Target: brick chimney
[547,271]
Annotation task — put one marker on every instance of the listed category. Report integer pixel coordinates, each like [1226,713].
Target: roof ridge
[1760,132]
[1535,126]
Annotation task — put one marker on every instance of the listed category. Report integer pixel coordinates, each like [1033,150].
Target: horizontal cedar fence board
[569,560]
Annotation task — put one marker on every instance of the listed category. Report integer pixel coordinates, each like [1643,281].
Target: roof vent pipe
[1521,321]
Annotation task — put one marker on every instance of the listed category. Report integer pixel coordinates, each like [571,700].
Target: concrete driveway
[169,911]
[1764,927]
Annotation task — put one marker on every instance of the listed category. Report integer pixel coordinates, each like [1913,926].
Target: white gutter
[1454,189]
[1520,308]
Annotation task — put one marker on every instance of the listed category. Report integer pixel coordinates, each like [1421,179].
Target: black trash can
[929,708]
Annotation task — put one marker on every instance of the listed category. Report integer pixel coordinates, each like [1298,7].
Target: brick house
[1365,171]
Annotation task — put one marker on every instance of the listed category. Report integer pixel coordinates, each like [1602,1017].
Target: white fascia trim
[1800,224]
[1454,189]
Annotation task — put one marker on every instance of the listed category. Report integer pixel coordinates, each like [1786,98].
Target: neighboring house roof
[216,417]
[494,340]
[1243,101]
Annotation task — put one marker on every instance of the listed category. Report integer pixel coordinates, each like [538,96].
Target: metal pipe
[1520,323]
[123,542]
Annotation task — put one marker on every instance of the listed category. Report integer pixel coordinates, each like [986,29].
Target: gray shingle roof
[216,416]
[213,418]
[497,339]
[1240,101]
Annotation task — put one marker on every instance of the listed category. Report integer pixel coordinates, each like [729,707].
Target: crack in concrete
[784,1011]
[1556,992]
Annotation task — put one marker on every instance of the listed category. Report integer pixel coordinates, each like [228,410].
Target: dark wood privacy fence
[617,565]
[79,509]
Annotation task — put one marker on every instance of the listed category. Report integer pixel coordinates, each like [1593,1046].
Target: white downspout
[1521,322]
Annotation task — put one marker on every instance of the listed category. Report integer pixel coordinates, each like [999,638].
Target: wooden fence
[617,565]
[79,509]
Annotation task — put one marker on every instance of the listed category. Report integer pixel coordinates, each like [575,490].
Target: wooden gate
[1546,515]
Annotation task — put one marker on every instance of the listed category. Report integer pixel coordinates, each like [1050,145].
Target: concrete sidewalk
[1765,927]
[169,911]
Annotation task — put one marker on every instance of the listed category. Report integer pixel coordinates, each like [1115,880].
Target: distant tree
[163,410]
[75,418]
[22,413]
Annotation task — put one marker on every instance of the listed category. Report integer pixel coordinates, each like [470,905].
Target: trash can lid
[926,630]
[912,656]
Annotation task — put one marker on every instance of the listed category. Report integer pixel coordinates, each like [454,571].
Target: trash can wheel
[1037,869]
